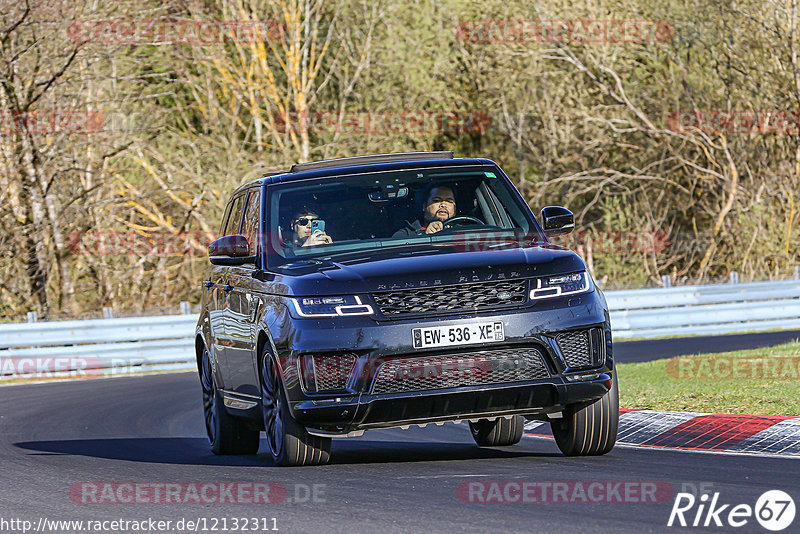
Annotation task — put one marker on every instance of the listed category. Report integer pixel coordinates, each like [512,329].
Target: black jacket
[411,229]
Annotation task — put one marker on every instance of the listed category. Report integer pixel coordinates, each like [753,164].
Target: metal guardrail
[97,347]
[59,333]
[116,346]
[692,310]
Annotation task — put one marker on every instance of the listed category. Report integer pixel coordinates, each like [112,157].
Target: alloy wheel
[209,396]
[271,402]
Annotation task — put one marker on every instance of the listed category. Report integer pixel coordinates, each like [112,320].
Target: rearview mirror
[388,192]
[557,221]
[230,250]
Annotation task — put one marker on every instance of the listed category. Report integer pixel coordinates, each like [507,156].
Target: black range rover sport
[396,290]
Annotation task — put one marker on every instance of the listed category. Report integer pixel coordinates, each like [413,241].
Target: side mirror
[557,221]
[230,250]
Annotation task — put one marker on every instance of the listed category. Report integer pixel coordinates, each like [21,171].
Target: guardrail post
[797,272]
[665,280]
[32,317]
[734,277]
[108,312]
[185,308]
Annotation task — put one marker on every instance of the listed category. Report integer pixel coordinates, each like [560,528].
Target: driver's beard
[436,218]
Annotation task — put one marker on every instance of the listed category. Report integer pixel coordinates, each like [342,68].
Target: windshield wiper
[348,254]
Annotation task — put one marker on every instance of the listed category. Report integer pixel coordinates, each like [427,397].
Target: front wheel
[226,434]
[289,442]
[498,433]
[591,430]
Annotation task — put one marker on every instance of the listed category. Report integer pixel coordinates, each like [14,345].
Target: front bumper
[357,408]
[384,411]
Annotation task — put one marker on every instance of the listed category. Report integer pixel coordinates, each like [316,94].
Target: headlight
[560,285]
[330,306]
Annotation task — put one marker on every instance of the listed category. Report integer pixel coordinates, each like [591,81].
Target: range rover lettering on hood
[390,274]
[438,281]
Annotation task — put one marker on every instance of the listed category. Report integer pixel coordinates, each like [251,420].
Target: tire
[500,432]
[592,430]
[288,441]
[227,435]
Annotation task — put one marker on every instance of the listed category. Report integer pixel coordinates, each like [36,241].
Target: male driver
[301,225]
[439,206]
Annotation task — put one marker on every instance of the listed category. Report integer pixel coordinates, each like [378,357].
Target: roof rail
[372,158]
[261,171]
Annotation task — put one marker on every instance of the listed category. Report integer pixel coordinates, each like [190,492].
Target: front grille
[471,369]
[327,372]
[581,348]
[477,296]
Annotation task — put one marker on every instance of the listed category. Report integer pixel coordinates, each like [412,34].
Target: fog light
[582,377]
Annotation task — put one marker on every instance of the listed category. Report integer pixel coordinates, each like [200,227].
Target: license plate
[449,336]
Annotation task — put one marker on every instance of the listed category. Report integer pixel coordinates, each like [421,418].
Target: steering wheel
[461,219]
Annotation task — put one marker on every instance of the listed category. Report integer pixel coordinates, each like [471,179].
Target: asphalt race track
[653,349]
[148,429]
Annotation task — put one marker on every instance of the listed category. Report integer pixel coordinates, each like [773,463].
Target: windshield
[469,207]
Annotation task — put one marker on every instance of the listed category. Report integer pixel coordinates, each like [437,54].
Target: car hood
[424,268]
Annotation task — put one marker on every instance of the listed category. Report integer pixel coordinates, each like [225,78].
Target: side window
[234,216]
[250,228]
[510,213]
[224,220]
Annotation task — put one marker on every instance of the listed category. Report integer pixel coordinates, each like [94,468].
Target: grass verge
[759,381]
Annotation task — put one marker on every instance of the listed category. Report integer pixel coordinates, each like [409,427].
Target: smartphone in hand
[317,224]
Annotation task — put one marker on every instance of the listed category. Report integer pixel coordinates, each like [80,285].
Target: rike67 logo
[774,510]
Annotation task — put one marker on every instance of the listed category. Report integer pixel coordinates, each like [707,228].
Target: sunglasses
[305,221]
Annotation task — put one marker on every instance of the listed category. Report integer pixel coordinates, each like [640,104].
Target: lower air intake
[328,372]
[581,348]
[471,369]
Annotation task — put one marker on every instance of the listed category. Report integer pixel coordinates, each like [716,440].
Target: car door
[216,300]
[221,290]
[243,306]
[216,308]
